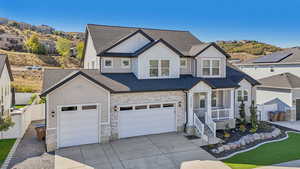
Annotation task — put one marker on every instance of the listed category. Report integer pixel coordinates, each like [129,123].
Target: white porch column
[232,103]
[208,106]
[190,109]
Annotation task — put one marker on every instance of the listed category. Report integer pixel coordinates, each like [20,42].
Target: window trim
[108,59]
[123,66]
[185,66]
[243,95]
[210,67]
[159,68]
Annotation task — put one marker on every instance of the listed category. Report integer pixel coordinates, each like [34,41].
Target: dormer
[210,62]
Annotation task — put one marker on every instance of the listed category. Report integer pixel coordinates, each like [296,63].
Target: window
[214,99]
[153,68]
[125,63]
[183,63]
[141,107]
[168,105]
[242,95]
[108,63]
[126,108]
[89,107]
[69,108]
[202,101]
[93,64]
[154,106]
[211,67]
[165,68]
[159,68]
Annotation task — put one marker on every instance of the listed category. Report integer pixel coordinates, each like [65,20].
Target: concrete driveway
[289,124]
[163,151]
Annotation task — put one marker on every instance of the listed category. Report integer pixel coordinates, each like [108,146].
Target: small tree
[63,47]
[5,123]
[253,111]
[79,49]
[32,44]
[242,112]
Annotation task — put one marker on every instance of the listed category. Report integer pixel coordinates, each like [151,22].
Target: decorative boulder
[226,147]
[256,136]
[214,150]
[220,149]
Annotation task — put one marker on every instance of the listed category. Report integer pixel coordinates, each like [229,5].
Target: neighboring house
[50,45]
[282,90]
[45,29]
[139,81]
[5,86]
[11,42]
[287,61]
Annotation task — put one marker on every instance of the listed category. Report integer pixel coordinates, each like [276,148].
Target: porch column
[208,106]
[190,109]
[232,104]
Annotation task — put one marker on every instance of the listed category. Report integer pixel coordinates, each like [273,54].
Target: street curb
[10,154]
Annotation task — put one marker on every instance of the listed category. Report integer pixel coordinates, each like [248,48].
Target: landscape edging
[256,146]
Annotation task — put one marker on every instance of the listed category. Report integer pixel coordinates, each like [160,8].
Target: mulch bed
[235,135]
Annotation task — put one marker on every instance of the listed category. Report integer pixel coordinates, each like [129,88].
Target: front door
[298,109]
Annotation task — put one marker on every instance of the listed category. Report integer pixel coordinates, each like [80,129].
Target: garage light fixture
[115,108]
[179,104]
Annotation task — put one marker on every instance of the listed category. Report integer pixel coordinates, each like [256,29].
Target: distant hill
[247,49]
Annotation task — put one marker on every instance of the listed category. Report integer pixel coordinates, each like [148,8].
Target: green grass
[267,154]
[19,106]
[6,145]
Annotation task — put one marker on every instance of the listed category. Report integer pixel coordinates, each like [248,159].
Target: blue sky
[272,21]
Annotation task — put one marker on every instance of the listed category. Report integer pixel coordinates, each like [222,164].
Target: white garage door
[78,124]
[146,119]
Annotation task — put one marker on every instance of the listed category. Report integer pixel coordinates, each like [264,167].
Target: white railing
[200,112]
[221,114]
[199,125]
[211,124]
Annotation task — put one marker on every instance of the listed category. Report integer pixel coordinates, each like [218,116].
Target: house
[50,45]
[283,91]
[286,61]
[140,81]
[5,86]
[11,42]
[45,29]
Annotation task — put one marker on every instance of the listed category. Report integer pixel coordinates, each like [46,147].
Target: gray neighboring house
[286,61]
[11,42]
[141,81]
[282,90]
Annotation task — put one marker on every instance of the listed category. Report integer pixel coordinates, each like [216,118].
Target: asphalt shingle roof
[127,82]
[284,80]
[105,36]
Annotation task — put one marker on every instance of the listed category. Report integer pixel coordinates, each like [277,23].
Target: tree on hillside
[79,49]
[63,47]
[33,45]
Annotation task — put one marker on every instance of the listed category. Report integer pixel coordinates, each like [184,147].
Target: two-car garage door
[146,119]
[78,124]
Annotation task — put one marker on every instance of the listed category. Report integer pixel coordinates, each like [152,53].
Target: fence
[22,119]
[22,98]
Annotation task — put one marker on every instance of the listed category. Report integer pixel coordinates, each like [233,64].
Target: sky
[271,21]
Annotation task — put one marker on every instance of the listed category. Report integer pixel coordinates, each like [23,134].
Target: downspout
[186,111]
[46,123]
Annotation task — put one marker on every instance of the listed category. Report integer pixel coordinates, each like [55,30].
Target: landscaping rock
[256,136]
[226,147]
[214,150]
[220,149]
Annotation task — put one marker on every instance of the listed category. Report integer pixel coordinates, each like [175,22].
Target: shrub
[242,112]
[32,98]
[242,128]
[42,100]
[6,123]
[253,118]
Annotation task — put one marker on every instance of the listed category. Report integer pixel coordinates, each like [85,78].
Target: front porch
[213,108]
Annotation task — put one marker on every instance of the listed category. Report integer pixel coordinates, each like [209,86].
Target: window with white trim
[214,99]
[108,63]
[183,63]
[242,95]
[159,68]
[211,67]
[125,63]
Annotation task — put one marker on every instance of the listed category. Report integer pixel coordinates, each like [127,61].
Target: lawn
[19,106]
[6,145]
[267,154]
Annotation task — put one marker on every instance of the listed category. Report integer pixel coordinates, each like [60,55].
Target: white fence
[22,119]
[199,125]
[22,98]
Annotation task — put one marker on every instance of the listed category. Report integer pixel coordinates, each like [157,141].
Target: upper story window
[125,63]
[242,95]
[211,67]
[159,68]
[183,63]
[108,63]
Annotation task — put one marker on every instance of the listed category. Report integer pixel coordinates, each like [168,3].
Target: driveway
[163,151]
[289,124]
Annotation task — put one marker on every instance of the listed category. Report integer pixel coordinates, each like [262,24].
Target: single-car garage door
[146,119]
[78,124]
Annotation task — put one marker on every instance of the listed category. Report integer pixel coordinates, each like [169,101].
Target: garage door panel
[148,121]
[78,127]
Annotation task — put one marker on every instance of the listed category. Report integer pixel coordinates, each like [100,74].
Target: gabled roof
[284,80]
[198,49]
[288,56]
[104,37]
[4,61]
[128,82]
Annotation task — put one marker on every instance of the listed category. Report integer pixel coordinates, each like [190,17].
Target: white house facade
[5,86]
[139,81]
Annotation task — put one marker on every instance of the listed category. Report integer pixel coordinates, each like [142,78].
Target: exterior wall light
[115,108]
[179,104]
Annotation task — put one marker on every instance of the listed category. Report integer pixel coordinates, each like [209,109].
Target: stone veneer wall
[144,98]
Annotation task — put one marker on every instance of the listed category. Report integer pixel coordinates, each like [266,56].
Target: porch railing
[221,114]
[198,125]
[211,125]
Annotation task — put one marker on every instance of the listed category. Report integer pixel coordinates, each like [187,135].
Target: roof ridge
[140,28]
